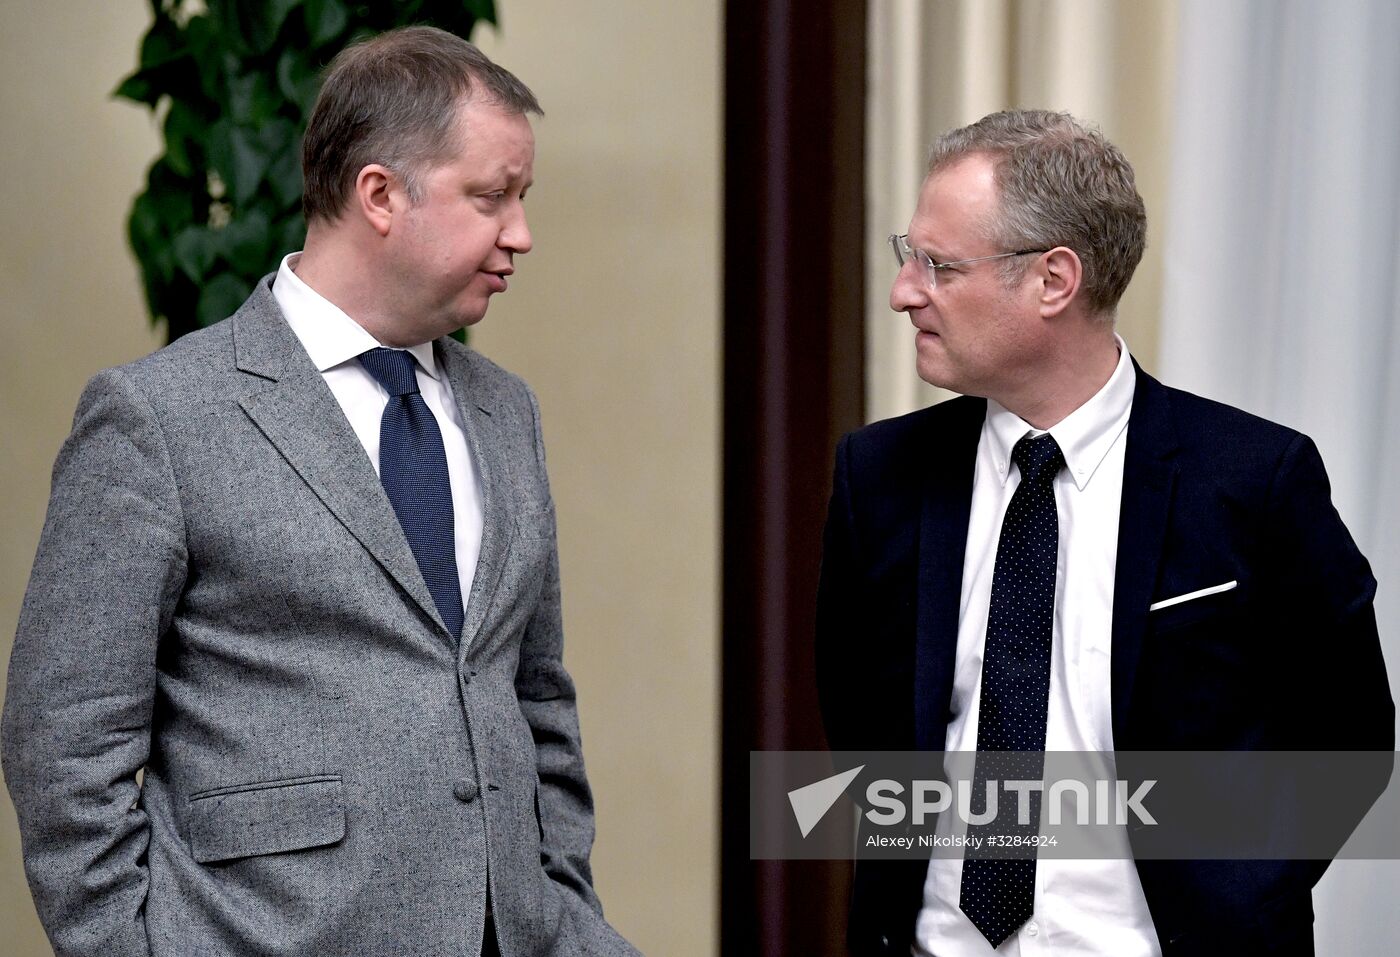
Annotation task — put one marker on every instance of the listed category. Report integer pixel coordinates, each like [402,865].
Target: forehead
[955,204]
[492,141]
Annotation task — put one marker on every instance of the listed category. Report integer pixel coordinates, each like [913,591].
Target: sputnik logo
[811,802]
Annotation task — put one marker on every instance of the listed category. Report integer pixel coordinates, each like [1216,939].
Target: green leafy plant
[234,82]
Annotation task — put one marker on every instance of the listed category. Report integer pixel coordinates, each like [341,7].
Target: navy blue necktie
[998,885]
[413,469]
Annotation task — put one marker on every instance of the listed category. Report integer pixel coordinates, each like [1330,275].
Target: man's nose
[909,291]
[516,234]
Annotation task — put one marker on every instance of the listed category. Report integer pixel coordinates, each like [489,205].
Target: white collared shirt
[334,341]
[1082,907]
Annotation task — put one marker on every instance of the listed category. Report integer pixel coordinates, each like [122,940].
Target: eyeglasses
[904,253]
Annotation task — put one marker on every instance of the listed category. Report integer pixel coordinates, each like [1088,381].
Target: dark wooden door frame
[794,180]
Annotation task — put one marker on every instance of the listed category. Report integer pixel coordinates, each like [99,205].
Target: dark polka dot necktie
[998,883]
[413,470]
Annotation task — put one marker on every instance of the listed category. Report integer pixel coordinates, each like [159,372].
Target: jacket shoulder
[892,442]
[210,346]
[1224,434]
[187,371]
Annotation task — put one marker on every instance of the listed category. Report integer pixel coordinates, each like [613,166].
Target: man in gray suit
[300,567]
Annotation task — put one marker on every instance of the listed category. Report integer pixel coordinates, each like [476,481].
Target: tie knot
[393,369]
[1037,457]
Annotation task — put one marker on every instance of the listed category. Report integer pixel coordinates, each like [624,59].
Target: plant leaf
[143,227]
[209,48]
[138,88]
[249,162]
[177,200]
[246,242]
[184,132]
[277,135]
[220,298]
[481,9]
[162,44]
[291,234]
[325,20]
[284,176]
[251,99]
[230,26]
[256,25]
[298,79]
[275,14]
[194,249]
[238,157]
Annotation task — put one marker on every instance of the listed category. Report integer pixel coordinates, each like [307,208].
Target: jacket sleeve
[1334,659]
[109,571]
[547,699]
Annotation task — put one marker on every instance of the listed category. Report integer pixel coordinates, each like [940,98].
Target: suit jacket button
[465,791]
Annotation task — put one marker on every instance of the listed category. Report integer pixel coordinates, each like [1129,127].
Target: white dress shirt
[333,341]
[1082,907]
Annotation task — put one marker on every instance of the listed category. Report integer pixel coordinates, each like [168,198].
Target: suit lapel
[301,418]
[1149,480]
[484,442]
[949,461]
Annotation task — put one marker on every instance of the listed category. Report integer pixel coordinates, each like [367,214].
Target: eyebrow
[930,248]
[938,255]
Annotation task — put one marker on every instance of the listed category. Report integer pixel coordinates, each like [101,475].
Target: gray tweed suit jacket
[224,597]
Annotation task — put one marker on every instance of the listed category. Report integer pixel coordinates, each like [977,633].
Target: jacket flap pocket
[266,818]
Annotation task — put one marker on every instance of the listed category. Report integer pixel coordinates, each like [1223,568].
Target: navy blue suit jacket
[1284,661]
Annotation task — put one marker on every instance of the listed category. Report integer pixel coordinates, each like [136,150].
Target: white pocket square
[1212,590]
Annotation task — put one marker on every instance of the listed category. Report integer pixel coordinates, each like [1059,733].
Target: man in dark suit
[300,567]
[1074,557]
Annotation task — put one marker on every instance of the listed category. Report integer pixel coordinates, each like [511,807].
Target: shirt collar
[1084,436]
[329,336]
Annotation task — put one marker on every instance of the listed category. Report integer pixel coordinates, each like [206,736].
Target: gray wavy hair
[1060,183]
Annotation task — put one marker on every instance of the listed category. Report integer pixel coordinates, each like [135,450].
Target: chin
[936,374]
[470,314]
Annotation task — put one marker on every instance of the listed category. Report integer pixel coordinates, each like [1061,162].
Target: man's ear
[1061,274]
[377,196]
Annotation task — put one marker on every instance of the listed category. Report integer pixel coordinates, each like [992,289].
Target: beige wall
[614,319]
[71,302]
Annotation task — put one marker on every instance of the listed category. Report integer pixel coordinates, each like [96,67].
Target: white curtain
[1280,293]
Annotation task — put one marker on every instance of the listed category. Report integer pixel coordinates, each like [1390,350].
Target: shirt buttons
[465,791]
[1032,928]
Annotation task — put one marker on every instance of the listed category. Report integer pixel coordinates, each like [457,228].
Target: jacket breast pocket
[1206,610]
[267,817]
